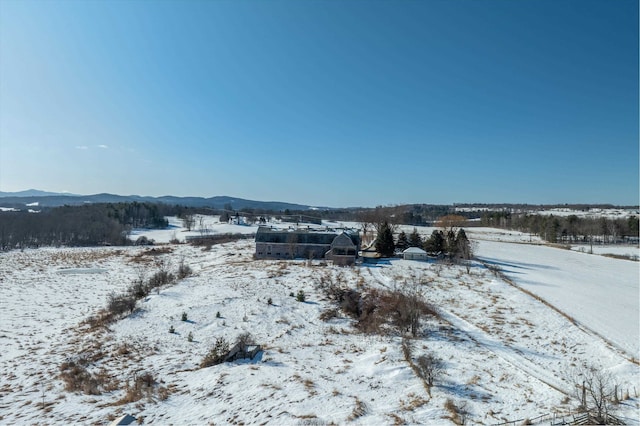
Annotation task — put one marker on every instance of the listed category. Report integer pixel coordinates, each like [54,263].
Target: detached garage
[414,253]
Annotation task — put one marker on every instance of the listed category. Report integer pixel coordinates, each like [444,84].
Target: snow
[204,225]
[577,283]
[507,341]
[615,250]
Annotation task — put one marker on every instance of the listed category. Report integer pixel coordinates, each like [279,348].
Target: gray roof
[343,240]
[301,236]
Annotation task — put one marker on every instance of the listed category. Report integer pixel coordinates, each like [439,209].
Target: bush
[139,289]
[119,304]
[184,316]
[244,340]
[429,368]
[217,354]
[184,270]
[142,385]
[76,378]
[161,278]
[300,297]
[378,309]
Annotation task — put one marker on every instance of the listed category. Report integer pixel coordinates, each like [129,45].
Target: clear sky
[332,103]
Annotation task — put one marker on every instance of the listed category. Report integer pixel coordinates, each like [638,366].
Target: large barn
[339,246]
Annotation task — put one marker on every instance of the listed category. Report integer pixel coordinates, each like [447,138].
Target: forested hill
[24,199]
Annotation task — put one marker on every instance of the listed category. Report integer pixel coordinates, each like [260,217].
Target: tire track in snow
[504,352]
[611,345]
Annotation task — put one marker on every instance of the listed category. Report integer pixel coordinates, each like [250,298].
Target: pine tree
[384,241]
[415,240]
[463,248]
[450,244]
[403,241]
[435,244]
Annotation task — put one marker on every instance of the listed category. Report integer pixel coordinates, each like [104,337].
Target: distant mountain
[52,199]
[34,193]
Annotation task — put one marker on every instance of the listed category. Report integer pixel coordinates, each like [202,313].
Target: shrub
[138,289]
[119,304]
[429,368]
[378,309]
[244,340]
[161,278]
[184,270]
[142,385]
[76,378]
[300,297]
[458,413]
[184,316]
[217,354]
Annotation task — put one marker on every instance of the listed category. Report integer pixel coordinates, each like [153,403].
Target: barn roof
[301,236]
[343,240]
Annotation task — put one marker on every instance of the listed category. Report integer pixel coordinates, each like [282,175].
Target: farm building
[341,247]
[414,253]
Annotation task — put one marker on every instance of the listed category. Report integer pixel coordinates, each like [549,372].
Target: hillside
[506,354]
[49,199]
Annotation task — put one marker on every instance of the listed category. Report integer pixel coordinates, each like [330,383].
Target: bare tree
[292,243]
[430,368]
[202,226]
[188,221]
[595,388]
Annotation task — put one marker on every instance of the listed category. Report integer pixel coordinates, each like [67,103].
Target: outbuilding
[414,253]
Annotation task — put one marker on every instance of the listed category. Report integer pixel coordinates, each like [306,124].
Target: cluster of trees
[450,243]
[566,229]
[87,225]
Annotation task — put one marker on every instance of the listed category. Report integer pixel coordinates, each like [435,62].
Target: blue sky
[333,103]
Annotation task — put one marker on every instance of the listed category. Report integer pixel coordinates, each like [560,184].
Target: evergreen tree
[434,245]
[414,239]
[384,241]
[403,241]
[450,244]
[463,248]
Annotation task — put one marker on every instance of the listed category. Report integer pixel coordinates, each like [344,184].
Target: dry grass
[413,402]
[359,410]
[77,378]
[397,420]
[458,414]
[142,385]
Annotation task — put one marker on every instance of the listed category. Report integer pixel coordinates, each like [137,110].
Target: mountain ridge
[53,199]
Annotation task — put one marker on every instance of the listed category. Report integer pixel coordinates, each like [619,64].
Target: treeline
[88,225]
[567,229]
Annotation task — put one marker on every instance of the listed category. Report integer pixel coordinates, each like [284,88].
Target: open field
[507,354]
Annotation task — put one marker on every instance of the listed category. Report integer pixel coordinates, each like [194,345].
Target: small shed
[414,253]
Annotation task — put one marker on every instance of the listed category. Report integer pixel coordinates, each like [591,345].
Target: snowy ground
[508,354]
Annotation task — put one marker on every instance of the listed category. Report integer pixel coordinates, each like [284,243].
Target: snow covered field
[600,293]
[508,354]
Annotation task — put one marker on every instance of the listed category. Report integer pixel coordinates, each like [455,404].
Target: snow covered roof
[414,250]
